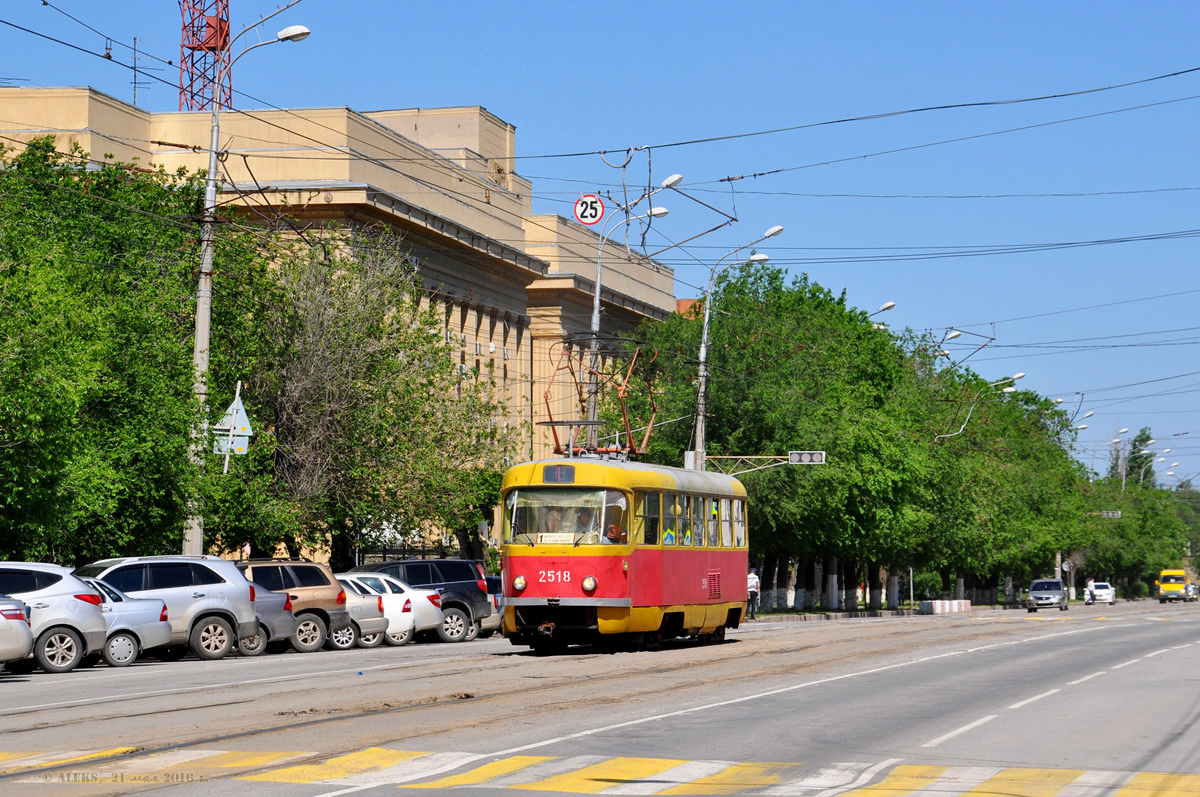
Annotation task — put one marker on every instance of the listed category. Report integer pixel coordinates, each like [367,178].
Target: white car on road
[1103,592]
[420,609]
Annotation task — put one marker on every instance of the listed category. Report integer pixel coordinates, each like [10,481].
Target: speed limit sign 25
[589,209]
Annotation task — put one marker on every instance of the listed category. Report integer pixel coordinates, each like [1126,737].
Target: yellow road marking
[1027,782]
[604,775]
[39,760]
[733,779]
[903,779]
[248,760]
[496,769]
[1160,784]
[373,758]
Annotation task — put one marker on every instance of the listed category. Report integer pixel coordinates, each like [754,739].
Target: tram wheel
[718,636]
[652,640]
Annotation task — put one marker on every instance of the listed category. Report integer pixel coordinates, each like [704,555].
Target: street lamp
[884,308]
[193,533]
[594,346]
[698,456]
[1009,389]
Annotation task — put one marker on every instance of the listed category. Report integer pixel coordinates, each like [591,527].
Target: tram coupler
[546,629]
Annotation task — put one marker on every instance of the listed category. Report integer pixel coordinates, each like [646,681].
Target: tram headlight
[589,584]
[519,583]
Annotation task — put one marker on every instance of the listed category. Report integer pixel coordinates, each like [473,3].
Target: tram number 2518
[554,576]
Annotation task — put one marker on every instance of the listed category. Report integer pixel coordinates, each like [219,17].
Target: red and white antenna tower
[204,75]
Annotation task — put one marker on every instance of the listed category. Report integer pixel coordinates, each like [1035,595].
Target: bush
[1136,591]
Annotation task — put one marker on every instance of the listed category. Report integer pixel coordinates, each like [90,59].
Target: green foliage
[364,427]
[929,465]
[95,362]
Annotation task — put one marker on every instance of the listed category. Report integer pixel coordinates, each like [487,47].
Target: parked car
[465,600]
[134,624]
[16,635]
[1047,593]
[64,615]
[368,624]
[490,625]
[318,600]
[1103,592]
[276,622]
[402,605]
[210,604]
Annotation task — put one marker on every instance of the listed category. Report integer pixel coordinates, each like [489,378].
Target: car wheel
[370,640]
[343,639]
[121,650]
[1032,609]
[399,638]
[58,650]
[253,645]
[455,625]
[310,634]
[212,639]
[472,632]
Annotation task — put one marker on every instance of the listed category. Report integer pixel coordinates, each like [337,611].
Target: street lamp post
[193,534]
[698,456]
[594,345]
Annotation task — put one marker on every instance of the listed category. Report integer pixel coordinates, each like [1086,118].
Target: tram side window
[648,519]
[739,523]
[698,514]
[713,505]
[670,535]
[685,520]
[726,524]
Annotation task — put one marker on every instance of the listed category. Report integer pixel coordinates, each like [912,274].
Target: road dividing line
[1037,697]
[963,729]
[1086,678]
[1126,664]
[1155,653]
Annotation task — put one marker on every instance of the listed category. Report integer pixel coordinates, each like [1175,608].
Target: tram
[597,549]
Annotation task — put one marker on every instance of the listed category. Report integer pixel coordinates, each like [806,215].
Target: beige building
[514,286]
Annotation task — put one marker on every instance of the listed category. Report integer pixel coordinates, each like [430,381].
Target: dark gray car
[276,623]
[1047,593]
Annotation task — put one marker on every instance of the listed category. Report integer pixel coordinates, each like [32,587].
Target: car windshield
[1172,579]
[1101,585]
[1046,586]
[560,516]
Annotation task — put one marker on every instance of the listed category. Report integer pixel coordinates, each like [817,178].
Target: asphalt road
[1093,701]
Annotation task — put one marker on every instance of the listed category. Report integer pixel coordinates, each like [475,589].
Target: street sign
[232,434]
[806,457]
[1116,513]
[589,209]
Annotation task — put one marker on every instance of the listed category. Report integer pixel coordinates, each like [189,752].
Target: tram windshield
[558,516]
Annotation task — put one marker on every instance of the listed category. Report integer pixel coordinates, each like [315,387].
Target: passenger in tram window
[670,507]
[713,531]
[614,519]
[585,522]
[698,521]
[613,535]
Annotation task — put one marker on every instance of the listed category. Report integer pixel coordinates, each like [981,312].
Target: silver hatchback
[64,613]
[210,604]
[1047,593]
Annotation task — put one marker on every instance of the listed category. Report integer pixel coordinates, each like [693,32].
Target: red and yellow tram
[597,549]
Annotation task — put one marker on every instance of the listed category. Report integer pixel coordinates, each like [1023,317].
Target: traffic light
[806,457]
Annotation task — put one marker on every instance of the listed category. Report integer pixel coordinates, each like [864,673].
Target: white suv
[210,604]
[64,614]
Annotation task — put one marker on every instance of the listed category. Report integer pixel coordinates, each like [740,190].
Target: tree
[96,267]
[368,425]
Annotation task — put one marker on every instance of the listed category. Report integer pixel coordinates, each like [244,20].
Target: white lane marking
[1126,664]
[963,729]
[957,780]
[1037,697]
[1096,783]
[1155,653]
[157,761]
[1181,647]
[863,779]
[185,689]
[1086,678]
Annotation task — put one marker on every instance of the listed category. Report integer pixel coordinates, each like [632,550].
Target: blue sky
[1109,326]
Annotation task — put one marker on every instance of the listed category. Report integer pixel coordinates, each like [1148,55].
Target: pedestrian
[752,584]
[1090,598]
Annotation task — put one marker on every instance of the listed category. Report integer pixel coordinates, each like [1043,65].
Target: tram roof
[604,471]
